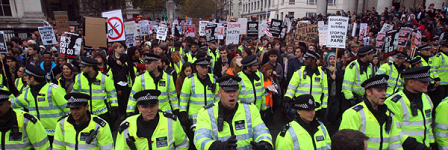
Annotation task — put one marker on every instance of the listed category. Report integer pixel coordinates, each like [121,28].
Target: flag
[178,19]
[164,15]
[186,18]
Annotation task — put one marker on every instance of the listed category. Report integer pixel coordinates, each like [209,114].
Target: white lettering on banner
[337,31]
[233,33]
[161,33]
[202,25]
[47,35]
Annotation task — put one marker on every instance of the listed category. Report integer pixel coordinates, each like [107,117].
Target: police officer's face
[253,68]
[149,112]
[418,86]
[444,49]
[307,115]
[202,70]
[27,79]
[85,69]
[309,61]
[425,52]
[151,66]
[4,108]
[79,113]
[376,95]
[399,60]
[228,98]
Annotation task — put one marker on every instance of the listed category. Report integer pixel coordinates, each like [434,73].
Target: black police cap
[415,61]
[311,54]
[420,73]
[88,61]
[4,96]
[34,71]
[250,61]
[202,62]
[75,100]
[229,83]
[377,81]
[147,97]
[424,47]
[401,55]
[305,102]
[151,57]
[366,50]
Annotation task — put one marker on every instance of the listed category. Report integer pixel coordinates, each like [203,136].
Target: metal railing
[22,33]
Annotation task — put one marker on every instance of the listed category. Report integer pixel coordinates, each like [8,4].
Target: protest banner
[355,25]
[366,41]
[306,32]
[362,31]
[404,35]
[144,27]
[202,26]
[3,47]
[220,32]
[130,40]
[61,21]
[47,35]
[72,29]
[380,41]
[252,29]
[95,32]
[276,27]
[243,23]
[161,32]
[70,45]
[386,27]
[320,25]
[323,35]
[210,34]
[190,30]
[337,31]
[416,40]
[390,43]
[115,25]
[188,22]
[130,27]
[233,33]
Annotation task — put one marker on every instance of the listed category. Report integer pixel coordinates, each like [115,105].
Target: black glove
[176,112]
[261,145]
[287,102]
[229,144]
[183,118]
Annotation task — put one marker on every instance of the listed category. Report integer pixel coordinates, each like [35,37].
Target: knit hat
[327,57]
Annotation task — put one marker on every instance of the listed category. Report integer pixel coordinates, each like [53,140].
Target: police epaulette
[358,108]
[105,73]
[390,63]
[30,117]
[140,73]
[99,121]
[285,129]
[208,106]
[170,115]
[396,98]
[63,117]
[352,65]
[245,102]
[191,75]
[123,127]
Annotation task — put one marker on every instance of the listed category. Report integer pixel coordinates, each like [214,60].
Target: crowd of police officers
[390,106]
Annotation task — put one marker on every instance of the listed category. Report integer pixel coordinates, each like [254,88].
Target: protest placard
[233,33]
[61,21]
[404,35]
[380,41]
[47,35]
[390,43]
[323,35]
[362,31]
[161,32]
[3,47]
[115,25]
[337,31]
[355,25]
[210,32]
[70,45]
[386,27]
[276,27]
[252,28]
[202,26]
[144,27]
[130,40]
[95,32]
[416,39]
[243,23]
[130,27]
[306,32]
[220,32]
[190,30]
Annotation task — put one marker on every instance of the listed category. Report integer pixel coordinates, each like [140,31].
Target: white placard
[115,26]
[243,23]
[130,27]
[337,31]
[323,35]
[144,27]
[220,32]
[130,40]
[202,26]
[47,35]
[355,25]
[386,27]
[233,33]
[161,33]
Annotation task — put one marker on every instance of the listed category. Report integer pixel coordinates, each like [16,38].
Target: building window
[269,3]
[309,14]
[5,8]
[261,3]
[258,5]
[291,14]
[311,2]
[281,15]
[292,2]
[331,2]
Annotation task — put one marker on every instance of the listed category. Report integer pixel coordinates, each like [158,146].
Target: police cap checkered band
[301,106]
[307,54]
[251,63]
[377,82]
[77,100]
[229,82]
[366,52]
[150,58]
[203,62]
[28,72]
[148,97]
[424,47]
[416,76]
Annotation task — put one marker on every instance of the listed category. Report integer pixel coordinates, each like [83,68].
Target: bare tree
[198,8]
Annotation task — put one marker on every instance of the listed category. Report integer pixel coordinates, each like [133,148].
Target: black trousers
[123,99]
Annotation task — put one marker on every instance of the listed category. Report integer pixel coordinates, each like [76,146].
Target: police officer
[312,133]
[80,129]
[198,90]
[100,87]
[416,62]
[309,79]
[152,129]
[441,125]
[155,78]
[439,65]
[20,130]
[357,72]
[393,69]
[412,107]
[229,123]
[372,118]
[252,86]
[43,100]
[213,52]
